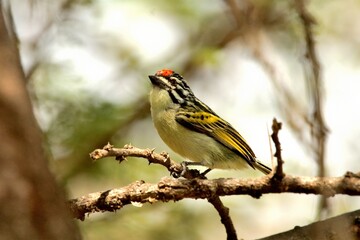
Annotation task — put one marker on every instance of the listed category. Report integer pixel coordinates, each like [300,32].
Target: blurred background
[87,62]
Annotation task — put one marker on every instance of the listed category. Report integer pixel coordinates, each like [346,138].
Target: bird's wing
[213,126]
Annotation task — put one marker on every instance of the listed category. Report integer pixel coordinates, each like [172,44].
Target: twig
[224,216]
[318,126]
[163,158]
[276,127]
[170,189]
[51,21]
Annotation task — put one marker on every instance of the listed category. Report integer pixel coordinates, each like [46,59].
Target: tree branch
[224,213]
[170,189]
[163,158]
[345,226]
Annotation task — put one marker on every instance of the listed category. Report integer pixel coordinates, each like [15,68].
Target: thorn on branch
[120,158]
[166,156]
[108,147]
[150,153]
[128,146]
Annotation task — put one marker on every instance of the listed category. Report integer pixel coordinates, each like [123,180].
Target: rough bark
[170,189]
[345,226]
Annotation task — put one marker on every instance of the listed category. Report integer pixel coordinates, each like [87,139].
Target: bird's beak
[154,80]
[159,82]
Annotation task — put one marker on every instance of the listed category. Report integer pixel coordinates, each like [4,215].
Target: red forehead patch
[164,72]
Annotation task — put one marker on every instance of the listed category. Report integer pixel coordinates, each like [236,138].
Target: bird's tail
[262,167]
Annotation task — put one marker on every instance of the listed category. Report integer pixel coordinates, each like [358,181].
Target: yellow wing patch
[218,129]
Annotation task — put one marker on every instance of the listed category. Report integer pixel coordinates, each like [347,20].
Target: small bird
[194,131]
